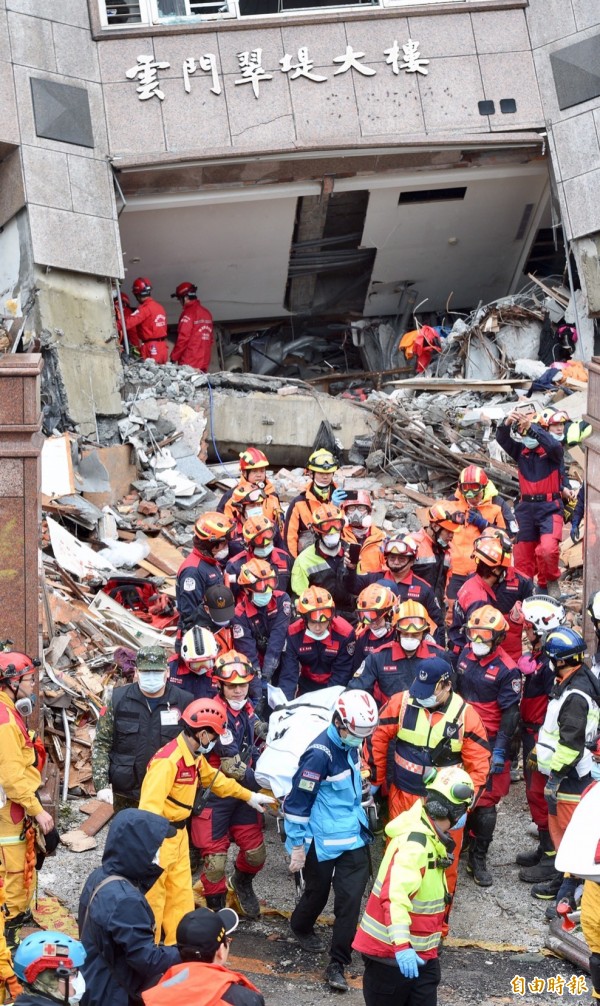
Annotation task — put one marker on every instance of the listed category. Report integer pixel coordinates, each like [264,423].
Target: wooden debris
[97,819]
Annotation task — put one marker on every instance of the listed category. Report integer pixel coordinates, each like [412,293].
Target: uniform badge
[189,583]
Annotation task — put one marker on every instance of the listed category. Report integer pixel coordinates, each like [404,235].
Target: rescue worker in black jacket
[138,720]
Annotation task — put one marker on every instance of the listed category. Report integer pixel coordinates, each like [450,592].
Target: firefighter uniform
[194,337]
[410,588]
[432,563]
[20,779]
[462,563]
[149,322]
[279,559]
[538,682]
[169,789]
[271,505]
[260,633]
[475,592]
[298,518]
[367,642]
[308,664]
[371,558]
[390,669]
[195,575]
[200,686]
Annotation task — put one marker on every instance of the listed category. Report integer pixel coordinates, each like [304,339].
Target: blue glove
[460,823]
[574,532]
[474,517]
[408,962]
[498,761]
[374,789]
[337,496]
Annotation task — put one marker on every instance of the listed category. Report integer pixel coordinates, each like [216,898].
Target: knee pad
[256,857]
[214,866]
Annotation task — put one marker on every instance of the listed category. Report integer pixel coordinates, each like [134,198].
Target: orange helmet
[316,601]
[486,625]
[410,618]
[233,668]
[374,601]
[258,530]
[472,481]
[252,458]
[204,714]
[245,494]
[213,526]
[499,534]
[450,520]
[327,518]
[492,552]
[258,575]
[399,543]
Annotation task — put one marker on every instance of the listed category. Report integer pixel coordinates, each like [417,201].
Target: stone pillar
[591,566]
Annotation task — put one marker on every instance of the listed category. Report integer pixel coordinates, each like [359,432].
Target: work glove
[13,986]
[551,792]
[261,730]
[106,795]
[477,519]
[258,801]
[498,761]
[408,962]
[532,762]
[337,496]
[575,533]
[297,859]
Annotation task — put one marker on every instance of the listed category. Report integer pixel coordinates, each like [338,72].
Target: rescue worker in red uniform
[490,681]
[195,334]
[539,615]
[392,667]
[319,648]
[433,547]
[192,669]
[375,606]
[253,468]
[321,466]
[203,567]
[478,513]
[360,531]
[496,582]
[222,821]
[149,322]
[261,620]
[258,534]
[132,337]
[539,455]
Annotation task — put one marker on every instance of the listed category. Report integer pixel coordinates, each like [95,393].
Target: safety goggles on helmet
[411,625]
[399,546]
[257,575]
[328,525]
[322,461]
[233,668]
[316,603]
[258,530]
[470,489]
[480,635]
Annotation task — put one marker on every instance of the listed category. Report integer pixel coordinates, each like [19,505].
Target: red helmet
[15,665]
[252,458]
[359,498]
[205,714]
[141,286]
[185,290]
[124,299]
[472,482]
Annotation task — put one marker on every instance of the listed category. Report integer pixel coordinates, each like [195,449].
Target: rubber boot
[543,869]
[215,902]
[594,967]
[242,885]
[529,858]
[483,824]
[12,929]
[549,890]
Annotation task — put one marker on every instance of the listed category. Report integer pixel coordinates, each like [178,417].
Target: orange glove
[14,986]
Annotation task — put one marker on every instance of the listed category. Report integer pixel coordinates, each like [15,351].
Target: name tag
[169,717]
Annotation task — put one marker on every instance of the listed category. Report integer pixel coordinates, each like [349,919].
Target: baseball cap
[220,603]
[430,672]
[204,931]
[151,658]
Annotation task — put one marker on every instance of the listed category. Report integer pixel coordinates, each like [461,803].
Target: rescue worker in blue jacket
[262,619]
[203,567]
[116,923]
[258,534]
[319,648]
[375,606]
[193,667]
[327,831]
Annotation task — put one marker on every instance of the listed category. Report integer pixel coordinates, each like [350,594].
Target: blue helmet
[565,643]
[46,951]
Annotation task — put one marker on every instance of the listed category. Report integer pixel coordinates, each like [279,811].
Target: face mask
[379,632]
[222,625]
[221,554]
[353,742]
[261,600]
[25,706]
[237,704]
[78,989]
[409,643]
[313,635]
[332,540]
[558,436]
[151,681]
[442,542]
[322,481]
[263,552]
[203,749]
[460,823]
[481,649]
[595,770]
[253,511]
[530,442]
[428,703]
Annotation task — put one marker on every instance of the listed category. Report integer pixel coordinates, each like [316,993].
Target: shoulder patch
[226,738]
[516,686]
[189,583]
[287,608]
[238,631]
[350,648]
[416,836]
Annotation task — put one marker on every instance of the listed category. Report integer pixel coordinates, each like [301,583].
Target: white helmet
[543,613]
[199,649]
[357,711]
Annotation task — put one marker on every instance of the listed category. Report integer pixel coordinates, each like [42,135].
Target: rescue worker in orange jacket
[22,758]
[478,513]
[169,789]
[433,547]
[149,321]
[321,466]
[360,531]
[253,468]
[195,334]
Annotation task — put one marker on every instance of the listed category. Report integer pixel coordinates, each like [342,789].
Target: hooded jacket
[118,934]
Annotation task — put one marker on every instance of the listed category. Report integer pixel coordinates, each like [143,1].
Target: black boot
[529,858]
[12,928]
[543,869]
[215,902]
[594,966]
[334,976]
[483,823]
[242,885]
[549,890]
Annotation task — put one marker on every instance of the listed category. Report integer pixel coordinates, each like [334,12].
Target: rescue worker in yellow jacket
[10,986]
[404,915]
[21,762]
[169,789]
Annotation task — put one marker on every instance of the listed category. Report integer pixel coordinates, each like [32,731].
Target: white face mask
[204,749]
[558,436]
[595,770]
[221,554]
[78,989]
[237,704]
[322,481]
[427,703]
[379,631]
[481,649]
[313,635]
[409,643]
[530,442]
[332,540]
[263,552]
[151,682]
[253,511]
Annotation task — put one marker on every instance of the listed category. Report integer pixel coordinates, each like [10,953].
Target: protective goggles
[471,489]
[478,635]
[261,586]
[371,615]
[263,538]
[321,615]
[329,525]
[398,548]
[234,671]
[201,663]
[411,626]
[359,510]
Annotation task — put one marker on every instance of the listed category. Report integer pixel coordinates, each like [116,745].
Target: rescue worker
[262,619]
[427,726]
[192,669]
[246,501]
[135,722]
[578,514]
[203,567]
[322,563]
[149,322]
[132,337]
[216,614]
[571,721]
[359,530]
[253,469]
[321,467]
[433,547]
[392,667]
[319,647]
[258,534]
[169,789]
[375,607]
[496,582]
[10,987]
[195,334]
[203,941]
[327,831]
[536,448]
[49,964]
[399,553]
[540,615]
[478,513]
[22,759]
[402,925]
[229,819]
[489,680]
[116,925]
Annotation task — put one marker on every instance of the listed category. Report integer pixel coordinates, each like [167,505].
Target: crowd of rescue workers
[447,655]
